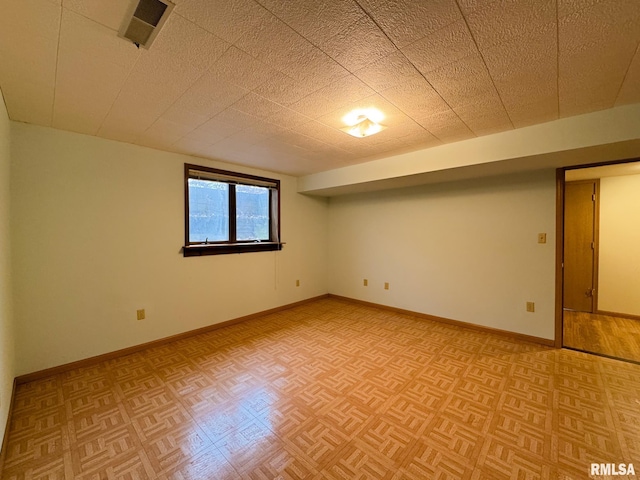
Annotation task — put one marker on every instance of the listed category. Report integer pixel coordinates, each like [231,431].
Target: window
[227,212]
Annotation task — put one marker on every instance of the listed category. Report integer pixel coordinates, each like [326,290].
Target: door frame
[560,185]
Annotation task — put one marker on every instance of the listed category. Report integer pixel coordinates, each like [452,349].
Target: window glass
[252,213]
[208,211]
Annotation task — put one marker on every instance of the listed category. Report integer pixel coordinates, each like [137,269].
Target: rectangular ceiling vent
[144,21]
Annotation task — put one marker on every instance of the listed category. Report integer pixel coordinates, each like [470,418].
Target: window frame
[193,249]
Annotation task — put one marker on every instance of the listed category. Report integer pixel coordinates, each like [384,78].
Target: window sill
[226,248]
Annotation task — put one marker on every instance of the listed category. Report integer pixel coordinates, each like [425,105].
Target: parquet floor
[331,390]
[602,334]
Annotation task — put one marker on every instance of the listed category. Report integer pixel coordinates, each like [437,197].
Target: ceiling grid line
[93,20]
[415,68]
[57,60]
[179,97]
[626,73]
[116,97]
[484,61]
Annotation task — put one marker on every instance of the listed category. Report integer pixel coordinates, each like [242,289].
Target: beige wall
[619,272]
[7,365]
[97,235]
[466,251]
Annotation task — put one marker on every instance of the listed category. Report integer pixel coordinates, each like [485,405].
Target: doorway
[600,269]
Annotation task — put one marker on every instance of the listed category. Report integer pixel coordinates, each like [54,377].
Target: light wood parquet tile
[330,390]
[602,334]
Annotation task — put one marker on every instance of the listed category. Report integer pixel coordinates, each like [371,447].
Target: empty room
[342,239]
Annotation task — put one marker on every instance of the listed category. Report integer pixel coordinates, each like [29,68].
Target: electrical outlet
[297,283]
[140,314]
[531,307]
[365,282]
[386,285]
[542,238]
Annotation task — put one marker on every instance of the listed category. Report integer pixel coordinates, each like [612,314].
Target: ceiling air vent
[144,21]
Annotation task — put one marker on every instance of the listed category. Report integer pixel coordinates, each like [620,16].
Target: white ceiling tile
[28,49]
[257,106]
[516,95]
[450,43]
[208,96]
[276,44]
[212,131]
[406,21]
[165,132]
[229,19]
[249,136]
[509,20]
[332,97]
[612,22]
[231,116]
[183,116]
[446,126]
[582,97]
[349,89]
[538,111]
[484,117]
[526,70]
[240,68]
[111,14]
[420,138]
[183,45]
[316,21]
[287,118]
[284,90]
[126,131]
[28,101]
[416,98]
[93,64]
[324,133]
[231,147]
[314,67]
[180,55]
[276,144]
[292,137]
[535,57]
[462,81]
[359,45]
[468,6]
[192,146]
[81,37]
[596,47]
[267,129]
[387,72]
[567,7]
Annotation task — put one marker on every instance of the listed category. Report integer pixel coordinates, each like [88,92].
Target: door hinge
[593,245]
[593,197]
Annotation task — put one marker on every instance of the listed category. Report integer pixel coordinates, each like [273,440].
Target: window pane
[208,211]
[252,213]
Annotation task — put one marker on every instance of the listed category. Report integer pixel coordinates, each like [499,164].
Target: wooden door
[580,245]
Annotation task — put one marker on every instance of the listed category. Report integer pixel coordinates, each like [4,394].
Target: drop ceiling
[266,83]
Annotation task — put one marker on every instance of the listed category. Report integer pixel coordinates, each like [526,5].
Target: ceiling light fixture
[363,122]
